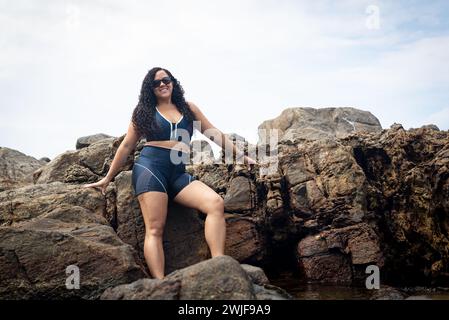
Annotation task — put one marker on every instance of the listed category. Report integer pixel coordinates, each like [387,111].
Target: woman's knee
[214,204]
[155,230]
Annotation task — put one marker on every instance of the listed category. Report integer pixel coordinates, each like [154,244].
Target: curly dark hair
[143,116]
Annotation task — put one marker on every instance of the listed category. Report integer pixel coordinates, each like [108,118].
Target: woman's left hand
[249,161]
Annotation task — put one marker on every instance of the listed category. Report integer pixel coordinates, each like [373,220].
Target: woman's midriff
[169,144]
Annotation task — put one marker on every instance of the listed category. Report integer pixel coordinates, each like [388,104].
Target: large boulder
[316,124]
[60,227]
[34,200]
[16,168]
[407,175]
[220,278]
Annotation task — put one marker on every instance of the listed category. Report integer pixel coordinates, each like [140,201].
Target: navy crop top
[180,131]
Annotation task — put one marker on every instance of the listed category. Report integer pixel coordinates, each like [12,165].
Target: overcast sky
[74,68]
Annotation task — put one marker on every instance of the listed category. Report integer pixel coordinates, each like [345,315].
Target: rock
[16,168]
[388,293]
[213,175]
[244,242]
[88,164]
[219,278]
[241,195]
[34,200]
[275,202]
[243,147]
[256,274]
[325,183]
[316,124]
[86,141]
[45,159]
[145,289]
[407,175]
[59,226]
[333,255]
[338,186]
[430,127]
[201,152]
[269,292]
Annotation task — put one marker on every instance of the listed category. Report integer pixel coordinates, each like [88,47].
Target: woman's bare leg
[153,205]
[199,196]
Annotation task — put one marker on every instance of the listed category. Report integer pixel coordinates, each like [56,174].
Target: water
[306,291]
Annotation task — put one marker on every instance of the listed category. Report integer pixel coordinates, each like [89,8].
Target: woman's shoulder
[192,106]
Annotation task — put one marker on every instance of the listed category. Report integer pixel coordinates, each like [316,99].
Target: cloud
[439,118]
[81,63]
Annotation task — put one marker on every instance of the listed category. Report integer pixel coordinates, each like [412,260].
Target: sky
[74,68]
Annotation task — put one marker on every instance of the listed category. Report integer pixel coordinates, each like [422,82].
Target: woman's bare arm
[126,146]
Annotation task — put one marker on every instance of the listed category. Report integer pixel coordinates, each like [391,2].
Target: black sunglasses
[157,83]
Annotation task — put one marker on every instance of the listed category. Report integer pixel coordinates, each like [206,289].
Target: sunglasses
[157,83]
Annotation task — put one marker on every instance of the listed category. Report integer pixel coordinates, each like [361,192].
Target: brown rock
[144,289]
[34,256]
[323,123]
[219,278]
[16,168]
[331,255]
[240,196]
[34,200]
[244,242]
[86,141]
[85,165]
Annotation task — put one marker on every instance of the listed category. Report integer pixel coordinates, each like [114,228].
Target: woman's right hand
[102,184]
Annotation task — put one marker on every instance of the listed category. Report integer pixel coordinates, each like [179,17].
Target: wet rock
[388,293]
[270,292]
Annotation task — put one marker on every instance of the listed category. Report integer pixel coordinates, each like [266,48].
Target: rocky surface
[16,168]
[220,278]
[317,124]
[342,194]
[47,229]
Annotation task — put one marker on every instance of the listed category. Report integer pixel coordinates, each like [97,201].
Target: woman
[165,119]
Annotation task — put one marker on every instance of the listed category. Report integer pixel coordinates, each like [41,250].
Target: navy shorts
[160,169]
